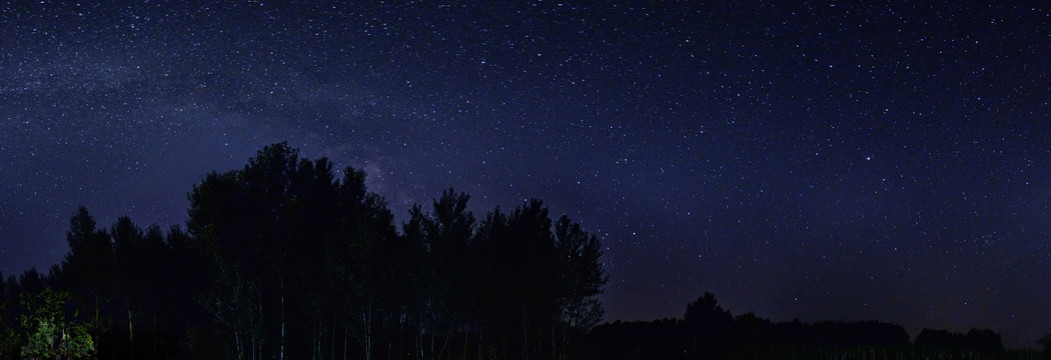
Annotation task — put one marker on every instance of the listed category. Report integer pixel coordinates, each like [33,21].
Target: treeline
[282,260]
[708,331]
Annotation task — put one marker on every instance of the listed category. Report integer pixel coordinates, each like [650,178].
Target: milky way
[822,161]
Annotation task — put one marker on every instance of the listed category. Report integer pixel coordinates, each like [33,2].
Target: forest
[281,259]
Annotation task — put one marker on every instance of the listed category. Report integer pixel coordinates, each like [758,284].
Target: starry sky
[826,161]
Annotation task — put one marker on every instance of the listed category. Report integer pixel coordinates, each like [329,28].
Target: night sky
[824,161]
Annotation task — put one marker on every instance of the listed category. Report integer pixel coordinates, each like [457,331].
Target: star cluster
[820,161]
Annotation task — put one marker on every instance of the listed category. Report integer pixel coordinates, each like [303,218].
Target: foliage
[286,258]
[50,332]
[284,237]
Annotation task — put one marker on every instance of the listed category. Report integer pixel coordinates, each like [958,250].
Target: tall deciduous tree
[440,240]
[371,242]
[285,237]
[221,221]
[130,273]
[138,260]
[581,278]
[87,271]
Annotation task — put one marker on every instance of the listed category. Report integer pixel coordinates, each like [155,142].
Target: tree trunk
[480,342]
[367,318]
[314,340]
[554,342]
[565,342]
[257,336]
[332,339]
[155,334]
[281,352]
[419,333]
[433,326]
[237,344]
[96,328]
[131,335]
[466,337]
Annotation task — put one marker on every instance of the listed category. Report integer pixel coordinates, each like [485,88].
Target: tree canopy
[287,259]
[282,259]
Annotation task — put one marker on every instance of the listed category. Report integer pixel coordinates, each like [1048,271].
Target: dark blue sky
[821,161]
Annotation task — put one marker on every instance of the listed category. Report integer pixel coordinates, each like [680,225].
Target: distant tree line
[708,331]
[282,260]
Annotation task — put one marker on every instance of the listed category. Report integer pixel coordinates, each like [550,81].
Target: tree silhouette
[581,278]
[138,261]
[87,271]
[280,259]
[443,298]
[708,324]
[370,234]
[265,227]
[283,259]
[131,281]
[220,219]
